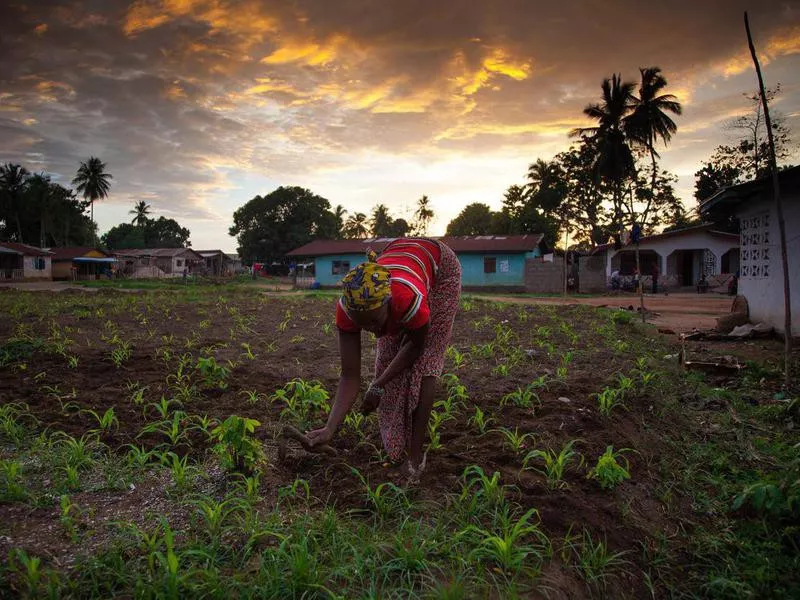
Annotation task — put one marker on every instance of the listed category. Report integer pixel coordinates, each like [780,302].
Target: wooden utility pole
[776,191]
[566,252]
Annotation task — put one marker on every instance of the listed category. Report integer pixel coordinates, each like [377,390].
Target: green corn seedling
[552,465]
[480,421]
[514,440]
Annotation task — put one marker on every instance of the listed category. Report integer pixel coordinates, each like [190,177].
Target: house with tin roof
[498,262]
[761,265]
[81,263]
[21,262]
[147,263]
[681,258]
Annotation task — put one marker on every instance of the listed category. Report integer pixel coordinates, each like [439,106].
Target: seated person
[702,285]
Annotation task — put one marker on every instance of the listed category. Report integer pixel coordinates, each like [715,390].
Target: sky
[197,106]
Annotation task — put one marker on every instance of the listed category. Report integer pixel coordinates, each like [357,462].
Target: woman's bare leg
[419,421]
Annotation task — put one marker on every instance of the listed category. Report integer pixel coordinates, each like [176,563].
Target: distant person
[636,280]
[733,284]
[615,285]
[702,285]
[655,274]
[408,297]
[185,273]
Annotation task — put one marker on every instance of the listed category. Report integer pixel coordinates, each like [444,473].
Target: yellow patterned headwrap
[367,286]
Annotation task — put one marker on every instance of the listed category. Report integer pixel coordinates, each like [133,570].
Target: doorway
[687,268]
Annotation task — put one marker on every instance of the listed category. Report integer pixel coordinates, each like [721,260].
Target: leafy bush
[304,401]
[608,472]
[236,445]
[214,375]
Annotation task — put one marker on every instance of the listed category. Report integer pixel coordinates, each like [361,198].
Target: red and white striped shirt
[413,264]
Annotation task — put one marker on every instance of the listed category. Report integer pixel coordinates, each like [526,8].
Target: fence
[12,274]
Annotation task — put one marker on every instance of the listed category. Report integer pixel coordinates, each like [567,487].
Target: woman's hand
[321,436]
[371,401]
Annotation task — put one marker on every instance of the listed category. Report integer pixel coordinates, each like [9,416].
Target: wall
[62,269]
[665,247]
[765,294]
[324,264]
[592,274]
[544,277]
[472,274]
[31,272]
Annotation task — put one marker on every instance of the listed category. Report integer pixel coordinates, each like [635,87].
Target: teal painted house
[490,261]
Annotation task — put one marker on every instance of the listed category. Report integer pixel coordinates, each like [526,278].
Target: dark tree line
[34,210]
[267,227]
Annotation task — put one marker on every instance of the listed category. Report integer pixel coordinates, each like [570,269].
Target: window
[38,263]
[179,262]
[340,267]
[489,264]
[755,246]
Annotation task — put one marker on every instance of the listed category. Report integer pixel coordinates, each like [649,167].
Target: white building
[23,262]
[761,280]
[681,258]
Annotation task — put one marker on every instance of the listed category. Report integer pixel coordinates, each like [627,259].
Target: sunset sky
[198,105]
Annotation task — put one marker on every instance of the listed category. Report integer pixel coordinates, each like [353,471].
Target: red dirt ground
[626,516]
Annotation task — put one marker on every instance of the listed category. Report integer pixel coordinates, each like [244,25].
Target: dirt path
[678,312]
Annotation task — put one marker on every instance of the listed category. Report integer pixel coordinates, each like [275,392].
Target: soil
[627,516]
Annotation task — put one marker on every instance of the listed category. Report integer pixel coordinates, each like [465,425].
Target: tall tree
[649,122]
[746,157]
[423,215]
[140,212]
[585,195]
[614,160]
[356,226]
[92,181]
[267,227]
[12,184]
[339,213]
[474,219]
[381,221]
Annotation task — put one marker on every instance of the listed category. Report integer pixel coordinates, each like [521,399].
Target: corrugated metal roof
[72,252]
[462,244]
[704,228]
[25,249]
[726,200]
[156,252]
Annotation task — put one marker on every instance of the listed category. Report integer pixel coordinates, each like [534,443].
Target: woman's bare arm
[409,352]
[348,388]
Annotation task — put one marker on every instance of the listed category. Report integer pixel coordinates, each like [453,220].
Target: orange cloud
[496,63]
[554,128]
[783,43]
[40,29]
[307,53]
[245,19]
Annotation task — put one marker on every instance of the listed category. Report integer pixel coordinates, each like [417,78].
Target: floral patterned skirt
[401,395]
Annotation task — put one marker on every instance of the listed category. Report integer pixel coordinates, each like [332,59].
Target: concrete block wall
[592,274]
[544,277]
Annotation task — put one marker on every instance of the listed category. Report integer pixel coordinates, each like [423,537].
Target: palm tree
[649,121]
[339,212]
[92,181]
[422,216]
[381,222]
[613,159]
[356,226]
[140,212]
[13,179]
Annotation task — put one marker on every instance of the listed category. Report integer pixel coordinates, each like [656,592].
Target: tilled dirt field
[574,352]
